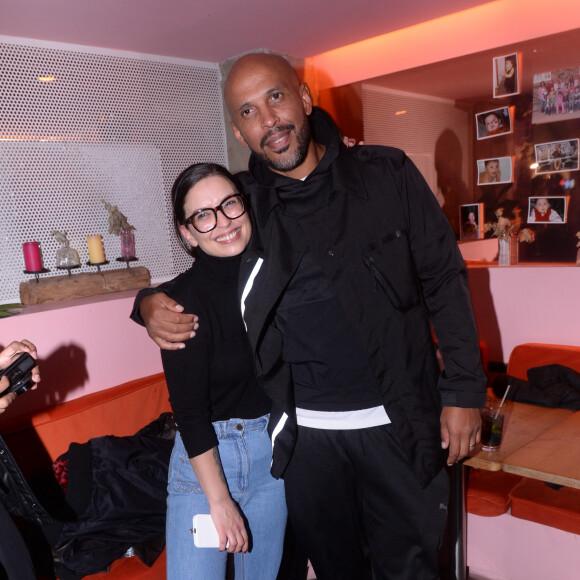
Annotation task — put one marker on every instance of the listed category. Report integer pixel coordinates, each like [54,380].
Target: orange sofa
[493,493]
[120,411]
[532,499]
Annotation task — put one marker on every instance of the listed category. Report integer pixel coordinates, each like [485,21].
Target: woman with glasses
[221,460]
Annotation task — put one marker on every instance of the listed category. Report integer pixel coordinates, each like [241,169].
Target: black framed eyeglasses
[205,220]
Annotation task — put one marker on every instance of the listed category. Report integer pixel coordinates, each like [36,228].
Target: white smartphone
[204,532]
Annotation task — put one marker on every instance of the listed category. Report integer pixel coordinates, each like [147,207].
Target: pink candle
[32,259]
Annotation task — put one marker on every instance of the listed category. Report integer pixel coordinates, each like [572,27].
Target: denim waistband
[232,427]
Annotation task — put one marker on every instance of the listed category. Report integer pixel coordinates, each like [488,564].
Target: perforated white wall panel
[113,126]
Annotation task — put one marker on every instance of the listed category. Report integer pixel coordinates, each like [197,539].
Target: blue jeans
[246,453]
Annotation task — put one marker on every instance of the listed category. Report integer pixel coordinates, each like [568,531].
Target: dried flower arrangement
[504,229]
[60,237]
[117,221]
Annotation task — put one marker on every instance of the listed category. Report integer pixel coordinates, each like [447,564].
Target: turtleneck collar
[218,268]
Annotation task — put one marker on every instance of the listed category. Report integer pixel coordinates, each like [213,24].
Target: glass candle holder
[127,244]
[67,257]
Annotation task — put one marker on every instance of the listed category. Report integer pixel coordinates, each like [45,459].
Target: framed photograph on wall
[506,71]
[556,95]
[471,218]
[494,123]
[491,171]
[557,156]
[548,210]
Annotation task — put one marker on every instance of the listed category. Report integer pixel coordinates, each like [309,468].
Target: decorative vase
[127,244]
[504,257]
[67,257]
[508,251]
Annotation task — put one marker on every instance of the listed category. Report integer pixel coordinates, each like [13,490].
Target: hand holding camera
[18,371]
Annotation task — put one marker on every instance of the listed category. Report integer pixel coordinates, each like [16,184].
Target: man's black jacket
[394,271]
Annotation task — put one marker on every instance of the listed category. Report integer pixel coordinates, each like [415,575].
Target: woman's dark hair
[184,182]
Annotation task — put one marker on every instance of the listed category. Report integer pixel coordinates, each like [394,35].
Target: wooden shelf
[78,285]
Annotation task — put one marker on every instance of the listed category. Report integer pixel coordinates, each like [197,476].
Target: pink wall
[84,345]
[508,548]
[525,303]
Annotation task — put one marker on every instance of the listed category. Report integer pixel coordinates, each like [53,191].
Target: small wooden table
[523,424]
[554,456]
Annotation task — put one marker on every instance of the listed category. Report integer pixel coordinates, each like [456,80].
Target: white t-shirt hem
[361,419]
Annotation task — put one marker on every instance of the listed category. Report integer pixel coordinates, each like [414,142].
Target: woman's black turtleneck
[212,378]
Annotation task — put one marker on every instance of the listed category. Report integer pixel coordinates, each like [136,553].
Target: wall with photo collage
[538,129]
[437,113]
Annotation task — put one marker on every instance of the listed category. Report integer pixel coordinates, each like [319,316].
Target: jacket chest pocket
[391,266]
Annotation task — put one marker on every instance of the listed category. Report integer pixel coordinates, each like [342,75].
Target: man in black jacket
[350,264]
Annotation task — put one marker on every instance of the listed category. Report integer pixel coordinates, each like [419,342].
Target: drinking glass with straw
[492,418]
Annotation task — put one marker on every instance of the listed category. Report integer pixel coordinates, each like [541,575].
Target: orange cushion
[533,500]
[127,568]
[488,491]
[530,355]
[120,411]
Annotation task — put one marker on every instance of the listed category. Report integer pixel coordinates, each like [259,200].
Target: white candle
[96,250]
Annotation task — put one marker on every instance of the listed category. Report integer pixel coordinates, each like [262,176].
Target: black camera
[19,374]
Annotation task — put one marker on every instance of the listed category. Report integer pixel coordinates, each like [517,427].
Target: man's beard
[287,164]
